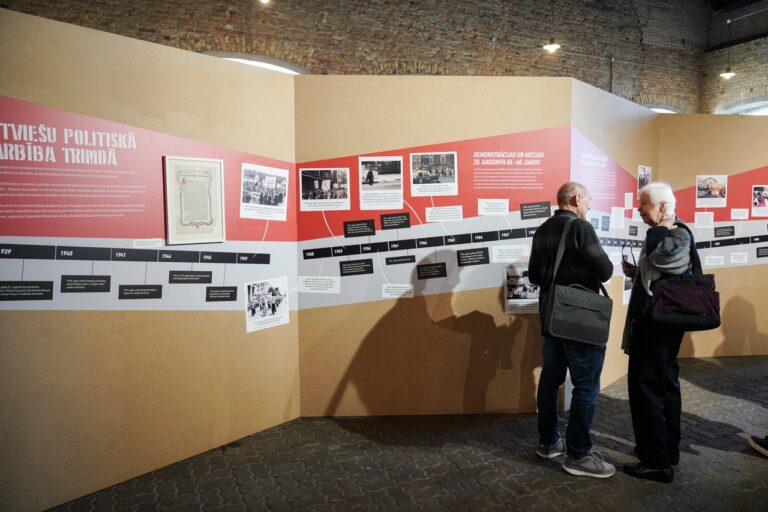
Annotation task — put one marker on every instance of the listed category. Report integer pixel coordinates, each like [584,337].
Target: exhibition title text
[37,143]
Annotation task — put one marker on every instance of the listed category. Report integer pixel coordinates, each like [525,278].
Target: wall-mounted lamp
[552,46]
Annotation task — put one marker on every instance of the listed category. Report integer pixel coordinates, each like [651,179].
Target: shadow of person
[431,354]
[739,328]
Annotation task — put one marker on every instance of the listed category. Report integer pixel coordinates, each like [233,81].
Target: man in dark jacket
[585,263]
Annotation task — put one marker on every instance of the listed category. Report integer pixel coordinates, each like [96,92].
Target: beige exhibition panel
[354,115]
[147,85]
[90,399]
[94,398]
[625,131]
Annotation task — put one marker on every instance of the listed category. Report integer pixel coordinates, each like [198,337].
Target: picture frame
[194,200]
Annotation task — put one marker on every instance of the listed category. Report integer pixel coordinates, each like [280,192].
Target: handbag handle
[561,250]
[695,259]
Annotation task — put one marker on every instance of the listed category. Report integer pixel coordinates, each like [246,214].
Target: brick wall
[648,51]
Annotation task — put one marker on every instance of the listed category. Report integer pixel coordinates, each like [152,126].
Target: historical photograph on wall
[381,182]
[711,190]
[194,200]
[266,303]
[434,174]
[643,177]
[324,189]
[263,192]
[522,297]
[760,200]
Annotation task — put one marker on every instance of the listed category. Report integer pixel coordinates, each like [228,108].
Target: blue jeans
[585,363]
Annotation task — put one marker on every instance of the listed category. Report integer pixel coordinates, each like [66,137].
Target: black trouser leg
[654,395]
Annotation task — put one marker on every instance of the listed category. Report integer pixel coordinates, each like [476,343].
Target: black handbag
[688,302]
[575,312]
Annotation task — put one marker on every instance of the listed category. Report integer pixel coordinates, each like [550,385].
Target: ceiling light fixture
[728,74]
[552,46]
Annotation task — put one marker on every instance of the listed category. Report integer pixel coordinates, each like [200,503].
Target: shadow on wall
[425,357]
[739,329]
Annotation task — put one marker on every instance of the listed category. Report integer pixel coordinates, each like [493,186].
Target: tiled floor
[482,462]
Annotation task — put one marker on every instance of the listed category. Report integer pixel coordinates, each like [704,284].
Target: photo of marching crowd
[262,188]
[266,305]
[324,189]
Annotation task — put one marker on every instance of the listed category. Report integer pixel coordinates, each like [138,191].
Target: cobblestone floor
[479,462]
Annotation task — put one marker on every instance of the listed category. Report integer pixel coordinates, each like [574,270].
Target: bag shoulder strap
[695,259]
[561,251]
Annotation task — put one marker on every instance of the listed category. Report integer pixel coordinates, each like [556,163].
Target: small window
[747,108]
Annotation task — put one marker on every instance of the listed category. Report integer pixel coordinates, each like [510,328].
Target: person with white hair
[652,378]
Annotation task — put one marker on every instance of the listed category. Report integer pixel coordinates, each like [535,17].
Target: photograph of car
[425,177]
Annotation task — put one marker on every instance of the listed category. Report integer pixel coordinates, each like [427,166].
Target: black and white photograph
[381,182]
[434,174]
[266,303]
[263,192]
[324,189]
[643,177]
[711,191]
[760,200]
[522,297]
[194,200]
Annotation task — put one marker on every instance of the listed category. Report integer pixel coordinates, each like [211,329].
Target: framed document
[194,200]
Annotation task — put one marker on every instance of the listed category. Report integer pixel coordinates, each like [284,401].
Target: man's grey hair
[660,192]
[568,190]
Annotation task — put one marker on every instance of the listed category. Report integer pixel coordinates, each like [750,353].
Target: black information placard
[487,236]
[540,210]
[140,291]
[32,252]
[458,239]
[220,293]
[722,231]
[759,239]
[762,252]
[134,255]
[85,284]
[431,271]
[313,254]
[606,224]
[83,253]
[374,247]
[347,250]
[218,257]
[359,228]
[399,260]
[401,245]
[356,267]
[703,245]
[432,241]
[731,241]
[178,256]
[469,257]
[26,290]
[253,258]
[595,223]
[509,234]
[190,276]
[396,221]
[529,232]
[632,230]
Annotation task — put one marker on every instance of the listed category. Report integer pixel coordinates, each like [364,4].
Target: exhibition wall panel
[404,304]
[613,138]
[97,389]
[719,170]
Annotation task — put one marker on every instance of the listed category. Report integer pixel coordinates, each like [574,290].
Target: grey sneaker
[759,444]
[550,451]
[592,465]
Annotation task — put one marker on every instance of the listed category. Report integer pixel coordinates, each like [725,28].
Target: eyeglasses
[624,256]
